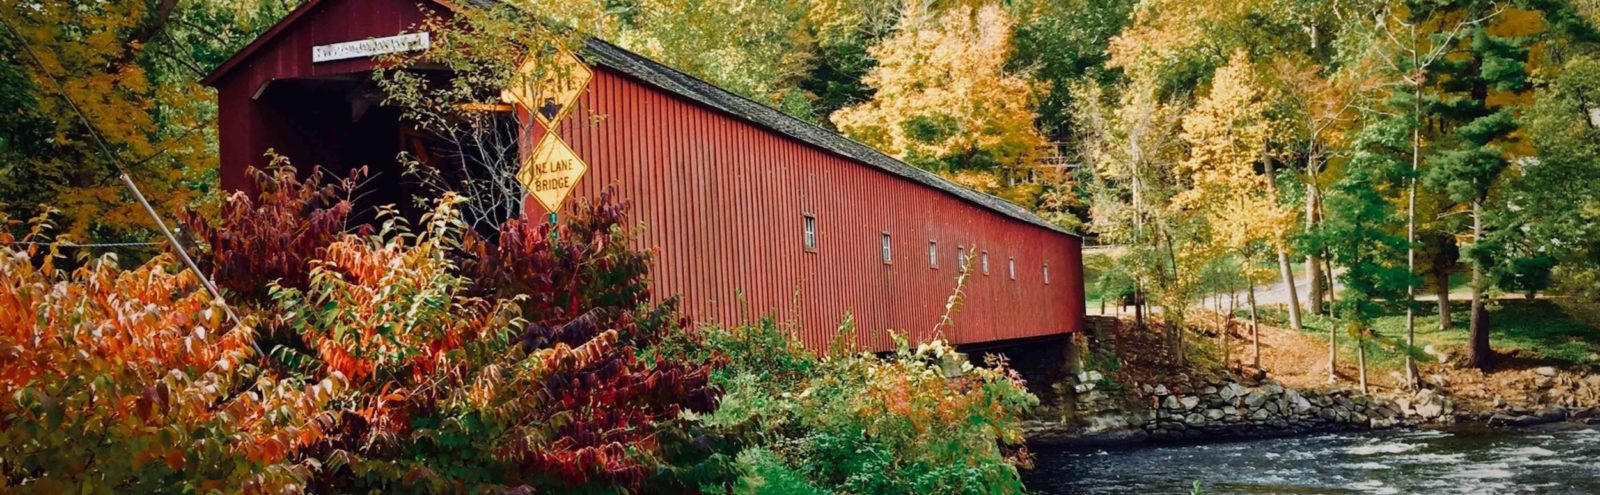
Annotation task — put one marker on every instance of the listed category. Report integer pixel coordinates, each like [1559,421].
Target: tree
[132,67]
[1555,199]
[1228,133]
[760,49]
[1131,144]
[1062,42]
[944,99]
[1468,163]
[1360,230]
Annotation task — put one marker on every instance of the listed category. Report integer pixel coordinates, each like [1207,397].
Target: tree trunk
[1138,308]
[1412,379]
[1361,361]
[1333,335]
[1287,270]
[1441,284]
[1482,355]
[1255,331]
[1313,261]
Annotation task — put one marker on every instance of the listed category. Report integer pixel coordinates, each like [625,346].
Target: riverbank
[1132,392]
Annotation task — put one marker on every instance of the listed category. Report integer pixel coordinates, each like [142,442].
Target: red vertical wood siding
[721,202]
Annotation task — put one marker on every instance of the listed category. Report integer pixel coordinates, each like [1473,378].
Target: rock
[1189,402]
[1161,391]
[1297,403]
[1429,410]
[1503,419]
[1255,399]
[1209,390]
[1545,371]
[1551,414]
[1233,390]
[1195,420]
[1171,404]
[1274,388]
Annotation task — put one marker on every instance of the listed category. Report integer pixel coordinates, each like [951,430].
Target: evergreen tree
[1467,163]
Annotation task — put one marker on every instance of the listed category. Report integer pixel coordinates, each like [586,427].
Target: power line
[91,245]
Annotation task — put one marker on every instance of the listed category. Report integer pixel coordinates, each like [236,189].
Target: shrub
[397,378]
[270,236]
[857,423]
[133,381]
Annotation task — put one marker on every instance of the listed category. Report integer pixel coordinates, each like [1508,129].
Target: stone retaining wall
[1228,407]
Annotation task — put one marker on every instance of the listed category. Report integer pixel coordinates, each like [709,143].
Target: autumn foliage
[382,365]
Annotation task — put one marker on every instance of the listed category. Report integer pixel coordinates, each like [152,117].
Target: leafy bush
[270,237]
[857,423]
[397,378]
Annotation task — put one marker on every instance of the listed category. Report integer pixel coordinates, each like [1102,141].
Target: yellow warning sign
[549,90]
[551,172]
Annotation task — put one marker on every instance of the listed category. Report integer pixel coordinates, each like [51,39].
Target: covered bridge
[747,211]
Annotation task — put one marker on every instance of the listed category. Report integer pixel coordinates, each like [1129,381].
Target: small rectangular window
[961,258]
[811,232]
[933,254]
[984,260]
[1011,267]
[1047,274]
[888,253]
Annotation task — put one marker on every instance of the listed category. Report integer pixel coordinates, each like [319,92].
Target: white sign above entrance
[408,42]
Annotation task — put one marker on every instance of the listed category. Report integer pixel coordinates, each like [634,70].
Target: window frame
[808,232]
[961,258]
[886,247]
[1047,273]
[983,260]
[1011,267]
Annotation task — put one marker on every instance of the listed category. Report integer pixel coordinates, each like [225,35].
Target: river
[1557,459]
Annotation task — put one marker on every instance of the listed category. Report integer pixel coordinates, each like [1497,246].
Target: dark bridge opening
[343,122]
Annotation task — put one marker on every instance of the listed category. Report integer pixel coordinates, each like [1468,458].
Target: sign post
[548,94]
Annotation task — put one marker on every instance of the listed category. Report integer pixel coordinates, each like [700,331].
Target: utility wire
[122,172]
[92,245]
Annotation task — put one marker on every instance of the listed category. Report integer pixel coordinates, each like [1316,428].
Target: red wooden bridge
[747,210]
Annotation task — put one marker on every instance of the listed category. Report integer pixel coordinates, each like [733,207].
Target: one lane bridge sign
[551,172]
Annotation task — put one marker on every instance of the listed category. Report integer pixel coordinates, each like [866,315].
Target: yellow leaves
[83,53]
[1228,133]
[943,90]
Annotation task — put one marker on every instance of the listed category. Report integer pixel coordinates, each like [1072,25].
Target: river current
[1558,459]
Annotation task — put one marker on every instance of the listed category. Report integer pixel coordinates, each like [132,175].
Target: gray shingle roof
[602,53]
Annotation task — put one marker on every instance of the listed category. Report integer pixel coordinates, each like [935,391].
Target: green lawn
[1539,331]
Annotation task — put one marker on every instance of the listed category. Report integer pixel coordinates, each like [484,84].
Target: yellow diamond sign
[549,89]
[551,171]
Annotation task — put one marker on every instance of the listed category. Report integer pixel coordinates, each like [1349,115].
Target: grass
[1535,332]
[1093,265]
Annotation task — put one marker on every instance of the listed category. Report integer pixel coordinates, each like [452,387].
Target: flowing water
[1548,460]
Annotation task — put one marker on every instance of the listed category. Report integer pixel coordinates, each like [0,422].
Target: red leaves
[272,236]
